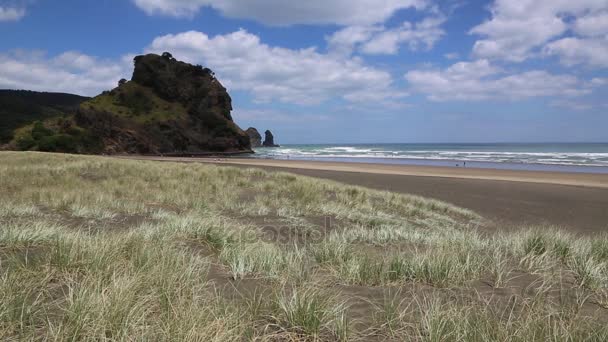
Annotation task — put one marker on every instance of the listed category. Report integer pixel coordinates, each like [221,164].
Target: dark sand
[511,199]
[509,204]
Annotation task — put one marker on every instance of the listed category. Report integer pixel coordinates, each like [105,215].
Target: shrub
[26,143]
[39,131]
[71,139]
[58,143]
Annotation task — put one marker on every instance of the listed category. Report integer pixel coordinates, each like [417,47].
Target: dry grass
[95,248]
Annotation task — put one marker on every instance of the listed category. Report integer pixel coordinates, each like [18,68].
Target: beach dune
[577,202]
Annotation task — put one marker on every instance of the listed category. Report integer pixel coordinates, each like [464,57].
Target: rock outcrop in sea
[269,139]
[168,107]
[254,137]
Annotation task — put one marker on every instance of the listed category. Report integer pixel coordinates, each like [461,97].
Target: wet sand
[577,202]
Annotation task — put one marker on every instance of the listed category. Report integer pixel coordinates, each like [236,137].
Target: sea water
[568,157]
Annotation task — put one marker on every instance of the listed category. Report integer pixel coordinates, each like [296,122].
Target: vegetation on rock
[169,107]
[56,135]
[22,107]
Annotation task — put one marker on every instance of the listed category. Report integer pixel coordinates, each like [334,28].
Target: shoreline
[560,157]
[591,180]
[506,199]
[450,162]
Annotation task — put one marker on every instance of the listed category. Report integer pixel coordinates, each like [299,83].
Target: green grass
[310,313]
[136,102]
[94,248]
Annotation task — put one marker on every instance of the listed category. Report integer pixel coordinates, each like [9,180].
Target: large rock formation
[168,107]
[254,137]
[269,139]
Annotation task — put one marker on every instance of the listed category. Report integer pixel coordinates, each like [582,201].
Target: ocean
[567,157]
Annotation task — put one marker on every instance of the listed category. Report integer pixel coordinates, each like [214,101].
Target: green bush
[137,101]
[39,131]
[26,143]
[70,140]
[58,143]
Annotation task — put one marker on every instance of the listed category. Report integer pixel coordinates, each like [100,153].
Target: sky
[341,71]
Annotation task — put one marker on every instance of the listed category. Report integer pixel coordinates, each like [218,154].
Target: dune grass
[94,248]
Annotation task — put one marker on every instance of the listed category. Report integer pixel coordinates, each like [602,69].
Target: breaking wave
[554,154]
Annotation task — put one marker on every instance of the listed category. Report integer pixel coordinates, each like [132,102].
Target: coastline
[474,164]
[593,180]
[559,157]
[507,199]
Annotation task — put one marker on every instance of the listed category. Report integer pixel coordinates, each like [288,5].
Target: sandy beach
[511,199]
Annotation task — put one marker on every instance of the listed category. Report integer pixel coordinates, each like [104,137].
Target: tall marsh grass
[94,248]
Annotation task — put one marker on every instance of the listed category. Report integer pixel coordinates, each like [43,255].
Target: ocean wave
[346,149]
[374,153]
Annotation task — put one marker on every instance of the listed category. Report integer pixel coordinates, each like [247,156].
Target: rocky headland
[168,107]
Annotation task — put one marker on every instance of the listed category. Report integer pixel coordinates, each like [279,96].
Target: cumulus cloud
[70,72]
[422,35]
[571,51]
[592,25]
[11,13]
[377,39]
[344,41]
[518,28]
[591,45]
[302,76]
[282,12]
[479,80]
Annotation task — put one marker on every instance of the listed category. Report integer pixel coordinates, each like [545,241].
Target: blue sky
[341,71]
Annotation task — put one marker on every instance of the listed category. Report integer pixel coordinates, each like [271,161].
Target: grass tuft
[101,249]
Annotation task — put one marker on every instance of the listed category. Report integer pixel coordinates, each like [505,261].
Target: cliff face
[254,137]
[168,107]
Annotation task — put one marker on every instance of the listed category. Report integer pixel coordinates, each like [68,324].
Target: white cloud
[593,24]
[422,35]
[287,12]
[571,51]
[11,13]
[375,40]
[70,72]
[75,61]
[304,76]
[344,41]
[479,80]
[518,28]
[273,115]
